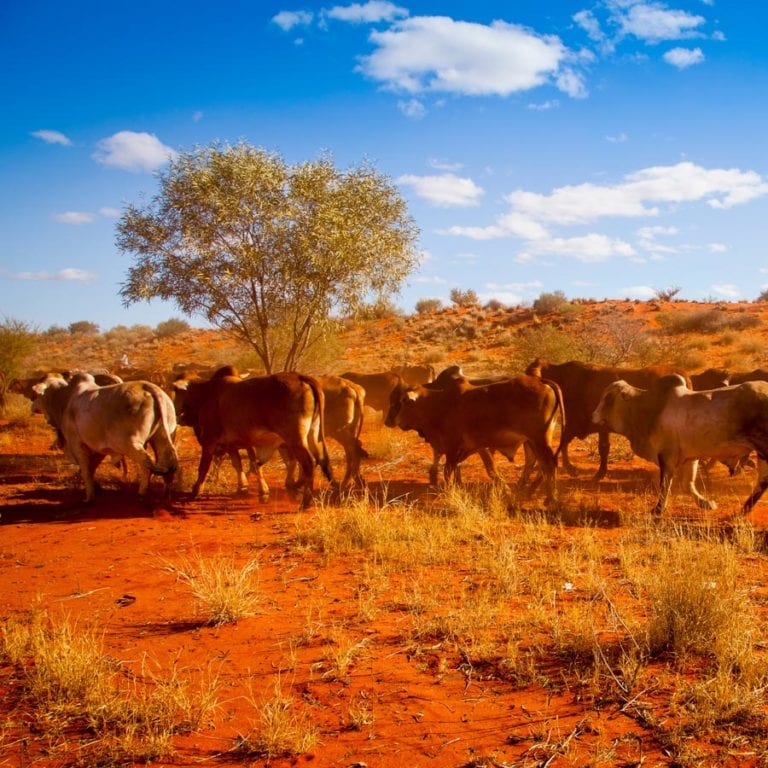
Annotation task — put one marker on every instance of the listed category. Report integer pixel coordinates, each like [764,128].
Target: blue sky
[606,149]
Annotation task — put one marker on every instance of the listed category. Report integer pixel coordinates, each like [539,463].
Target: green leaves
[265,249]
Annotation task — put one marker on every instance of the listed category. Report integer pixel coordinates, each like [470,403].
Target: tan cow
[115,420]
[415,375]
[582,384]
[674,426]
[228,413]
[461,421]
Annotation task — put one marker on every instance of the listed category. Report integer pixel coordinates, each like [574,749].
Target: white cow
[118,420]
[674,426]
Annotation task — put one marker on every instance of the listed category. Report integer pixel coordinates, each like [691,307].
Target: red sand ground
[428,709]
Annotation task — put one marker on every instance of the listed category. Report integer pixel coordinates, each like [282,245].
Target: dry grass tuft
[224,590]
[281,728]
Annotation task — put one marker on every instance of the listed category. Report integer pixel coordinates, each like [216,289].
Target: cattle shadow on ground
[65,505]
[168,628]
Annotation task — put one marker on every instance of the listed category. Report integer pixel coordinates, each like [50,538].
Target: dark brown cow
[739,377]
[582,385]
[452,378]
[414,375]
[462,420]
[673,426]
[228,413]
[377,386]
[711,378]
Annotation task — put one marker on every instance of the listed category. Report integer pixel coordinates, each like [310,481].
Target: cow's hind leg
[760,486]
[688,480]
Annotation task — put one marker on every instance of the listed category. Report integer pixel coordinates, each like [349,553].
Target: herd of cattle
[670,418]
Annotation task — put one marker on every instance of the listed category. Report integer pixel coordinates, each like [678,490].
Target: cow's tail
[360,411]
[559,406]
[163,434]
[321,457]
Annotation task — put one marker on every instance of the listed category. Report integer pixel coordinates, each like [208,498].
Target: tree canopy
[266,250]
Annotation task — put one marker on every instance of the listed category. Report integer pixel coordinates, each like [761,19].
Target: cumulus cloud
[287,20]
[438,54]
[446,190]
[52,137]
[133,151]
[640,193]
[371,12]
[682,58]
[589,248]
[654,22]
[65,275]
[532,216]
[74,217]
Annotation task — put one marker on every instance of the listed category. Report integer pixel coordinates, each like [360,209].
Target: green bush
[172,327]
[705,321]
[84,327]
[466,298]
[428,306]
[550,302]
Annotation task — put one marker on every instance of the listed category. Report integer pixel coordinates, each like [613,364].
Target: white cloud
[587,248]
[65,275]
[446,190]
[640,193]
[648,233]
[654,22]
[544,105]
[197,116]
[718,35]
[439,164]
[718,248]
[638,292]
[682,58]
[367,13]
[412,108]
[430,280]
[287,20]
[74,217]
[52,137]
[133,151]
[109,213]
[439,54]
[618,138]
[727,290]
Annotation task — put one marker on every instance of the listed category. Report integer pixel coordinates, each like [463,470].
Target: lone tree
[265,250]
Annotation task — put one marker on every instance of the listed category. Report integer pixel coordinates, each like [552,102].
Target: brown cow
[582,385]
[463,420]
[711,378]
[377,386]
[265,412]
[344,401]
[452,378]
[673,426]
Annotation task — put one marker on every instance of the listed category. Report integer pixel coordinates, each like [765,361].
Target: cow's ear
[412,396]
[181,384]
